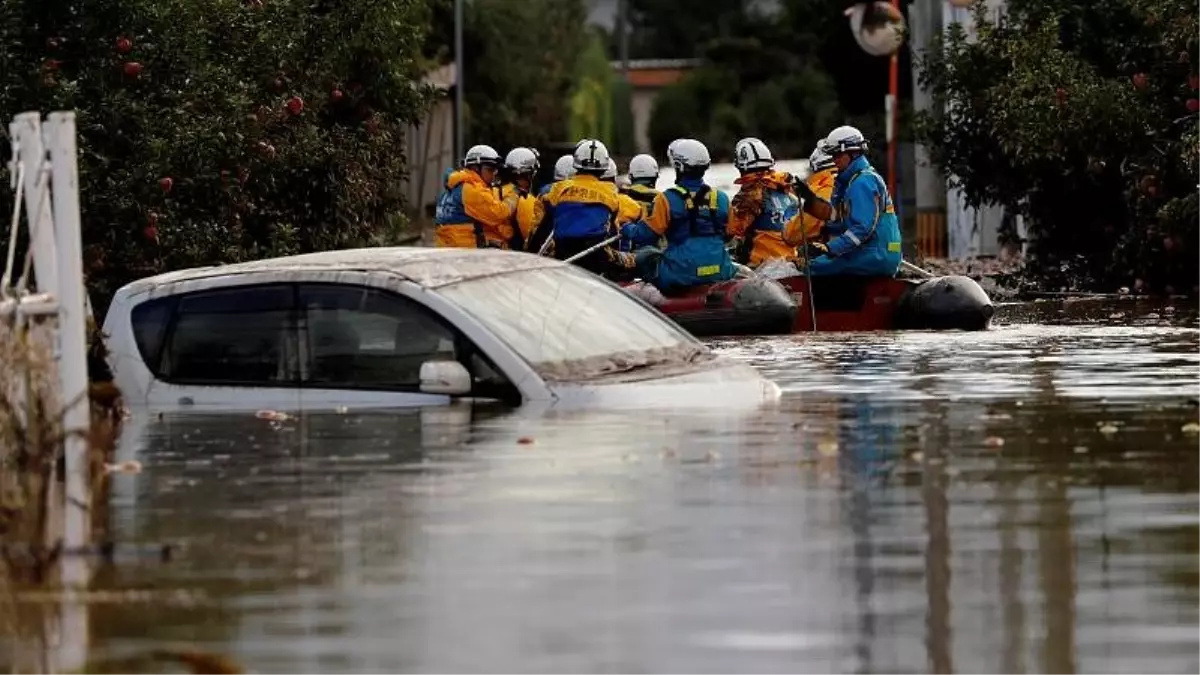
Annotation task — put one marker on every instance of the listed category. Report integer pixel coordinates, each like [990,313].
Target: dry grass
[31,435]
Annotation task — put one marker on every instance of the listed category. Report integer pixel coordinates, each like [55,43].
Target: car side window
[365,338]
[150,321]
[234,336]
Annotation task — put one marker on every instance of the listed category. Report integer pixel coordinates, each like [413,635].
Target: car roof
[428,267]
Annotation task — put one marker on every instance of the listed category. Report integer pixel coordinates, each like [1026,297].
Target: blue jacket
[581,206]
[695,253]
[866,232]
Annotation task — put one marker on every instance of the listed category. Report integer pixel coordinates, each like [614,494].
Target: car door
[364,346]
[227,348]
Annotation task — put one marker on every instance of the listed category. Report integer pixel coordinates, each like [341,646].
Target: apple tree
[1082,116]
[222,130]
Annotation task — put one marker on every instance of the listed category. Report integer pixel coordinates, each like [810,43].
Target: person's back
[821,179]
[691,216]
[583,209]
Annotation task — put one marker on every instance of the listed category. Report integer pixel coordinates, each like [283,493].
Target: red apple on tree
[1060,95]
[124,45]
[52,64]
[1194,81]
[1139,81]
[1193,105]
[150,232]
[132,68]
[336,95]
[166,183]
[295,105]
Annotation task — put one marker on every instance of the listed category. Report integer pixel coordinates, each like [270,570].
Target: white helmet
[522,161]
[673,147]
[590,155]
[751,154]
[611,172]
[690,154]
[564,168]
[481,155]
[819,160]
[643,167]
[844,139]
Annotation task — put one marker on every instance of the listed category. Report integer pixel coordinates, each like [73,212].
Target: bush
[222,130]
[1076,114]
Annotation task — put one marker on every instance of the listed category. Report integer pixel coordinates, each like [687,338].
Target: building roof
[428,267]
[655,73]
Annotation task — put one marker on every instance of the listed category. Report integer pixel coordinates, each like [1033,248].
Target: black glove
[803,190]
[815,249]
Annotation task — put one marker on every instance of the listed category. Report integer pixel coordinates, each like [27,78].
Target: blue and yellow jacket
[865,233]
[470,215]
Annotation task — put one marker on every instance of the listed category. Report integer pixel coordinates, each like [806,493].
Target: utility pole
[459,81]
[623,35]
[891,109]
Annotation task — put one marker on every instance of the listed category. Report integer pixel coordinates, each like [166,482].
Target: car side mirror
[445,377]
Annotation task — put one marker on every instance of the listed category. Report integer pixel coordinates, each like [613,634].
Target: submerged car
[406,327]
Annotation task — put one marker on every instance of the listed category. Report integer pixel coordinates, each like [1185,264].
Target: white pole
[460,66]
[60,137]
[27,129]
[60,128]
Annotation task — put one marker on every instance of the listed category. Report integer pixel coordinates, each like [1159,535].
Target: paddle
[592,249]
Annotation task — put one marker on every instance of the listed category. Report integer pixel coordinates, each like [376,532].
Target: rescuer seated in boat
[692,217]
[520,167]
[763,207]
[583,211]
[821,177]
[864,234]
[643,176]
[469,213]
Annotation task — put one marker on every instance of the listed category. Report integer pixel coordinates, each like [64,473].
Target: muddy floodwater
[1019,500]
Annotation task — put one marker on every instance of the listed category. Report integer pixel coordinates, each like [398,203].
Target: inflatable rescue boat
[762,305]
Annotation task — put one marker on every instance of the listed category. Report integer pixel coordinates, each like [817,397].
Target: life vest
[701,211]
[644,195]
[450,212]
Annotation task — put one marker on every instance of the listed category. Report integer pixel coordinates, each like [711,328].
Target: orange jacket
[468,210]
[821,183]
[748,206]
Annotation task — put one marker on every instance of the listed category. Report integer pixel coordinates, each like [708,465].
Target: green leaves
[1073,113]
[208,107]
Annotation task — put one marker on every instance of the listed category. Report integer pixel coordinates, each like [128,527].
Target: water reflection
[1019,500]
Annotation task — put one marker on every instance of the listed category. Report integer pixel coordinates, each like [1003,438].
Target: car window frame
[465,347]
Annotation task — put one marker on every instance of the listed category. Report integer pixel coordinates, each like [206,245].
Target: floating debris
[1191,428]
[917,456]
[342,410]
[828,448]
[131,466]
[993,442]
[272,415]
[1108,429]
[525,440]
[1081,450]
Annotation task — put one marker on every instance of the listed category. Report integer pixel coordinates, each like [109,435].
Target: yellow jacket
[470,215]
[523,217]
[748,206]
[821,183]
[584,205]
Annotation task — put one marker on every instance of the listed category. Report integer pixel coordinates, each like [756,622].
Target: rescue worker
[763,207]
[469,213]
[692,216]
[520,168]
[643,176]
[629,210]
[821,177]
[583,209]
[563,169]
[863,229]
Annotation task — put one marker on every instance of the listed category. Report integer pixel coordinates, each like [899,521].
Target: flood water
[1019,500]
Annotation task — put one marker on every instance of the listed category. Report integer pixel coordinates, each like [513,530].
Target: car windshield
[570,325]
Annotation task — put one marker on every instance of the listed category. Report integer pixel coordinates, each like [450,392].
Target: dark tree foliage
[1083,117]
